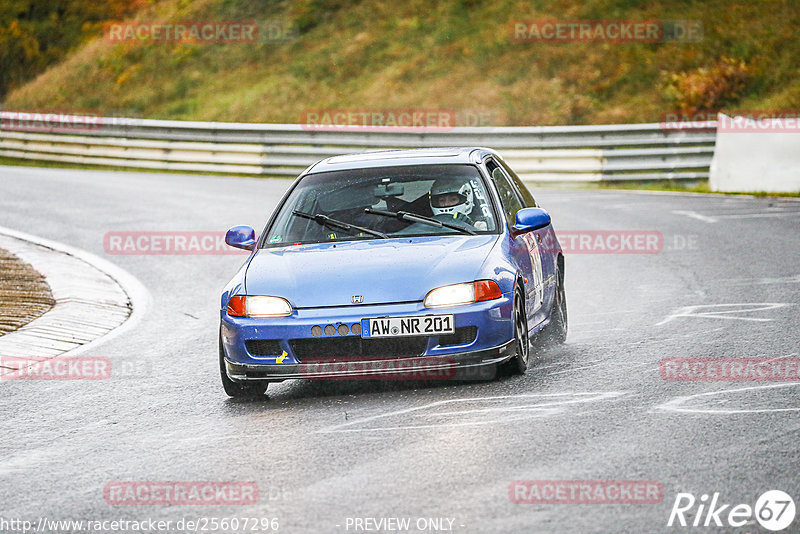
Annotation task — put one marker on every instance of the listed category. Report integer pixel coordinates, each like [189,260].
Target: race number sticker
[536,267]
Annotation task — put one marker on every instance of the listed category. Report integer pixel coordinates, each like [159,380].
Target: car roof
[394,158]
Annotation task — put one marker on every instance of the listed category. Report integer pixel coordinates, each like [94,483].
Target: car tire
[519,363]
[555,333]
[237,389]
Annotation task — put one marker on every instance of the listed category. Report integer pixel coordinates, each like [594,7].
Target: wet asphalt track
[593,409]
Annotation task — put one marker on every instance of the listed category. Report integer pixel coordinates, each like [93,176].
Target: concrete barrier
[754,156]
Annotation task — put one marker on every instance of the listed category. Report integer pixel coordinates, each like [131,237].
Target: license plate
[407,326]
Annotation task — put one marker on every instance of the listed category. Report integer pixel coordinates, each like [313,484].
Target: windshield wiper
[413,217]
[324,220]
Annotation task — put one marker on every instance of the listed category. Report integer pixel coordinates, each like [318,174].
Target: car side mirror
[242,237]
[530,219]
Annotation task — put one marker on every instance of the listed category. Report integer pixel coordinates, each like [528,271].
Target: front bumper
[463,366]
[491,321]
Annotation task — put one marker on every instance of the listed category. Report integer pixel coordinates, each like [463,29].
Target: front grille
[263,347]
[353,347]
[464,336]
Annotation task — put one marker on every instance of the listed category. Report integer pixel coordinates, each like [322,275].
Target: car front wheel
[519,363]
[237,389]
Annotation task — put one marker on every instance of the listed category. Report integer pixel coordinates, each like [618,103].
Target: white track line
[549,404]
[677,404]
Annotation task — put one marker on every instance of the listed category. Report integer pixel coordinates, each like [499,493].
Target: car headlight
[458,294]
[258,306]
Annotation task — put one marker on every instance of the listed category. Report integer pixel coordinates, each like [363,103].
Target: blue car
[427,263]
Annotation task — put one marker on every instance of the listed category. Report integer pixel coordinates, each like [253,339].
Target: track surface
[593,409]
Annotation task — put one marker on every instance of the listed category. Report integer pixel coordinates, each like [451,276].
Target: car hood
[380,271]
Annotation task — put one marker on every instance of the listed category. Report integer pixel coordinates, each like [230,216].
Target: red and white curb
[95,300]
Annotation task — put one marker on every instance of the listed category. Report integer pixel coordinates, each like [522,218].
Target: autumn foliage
[35,34]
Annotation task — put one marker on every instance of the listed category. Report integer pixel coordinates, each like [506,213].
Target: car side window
[527,197]
[508,195]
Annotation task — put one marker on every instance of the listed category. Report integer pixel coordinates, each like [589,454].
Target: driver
[454,199]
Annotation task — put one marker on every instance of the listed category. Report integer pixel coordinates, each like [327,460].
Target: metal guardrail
[541,153]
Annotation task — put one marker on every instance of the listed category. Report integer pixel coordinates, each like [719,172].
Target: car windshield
[382,202]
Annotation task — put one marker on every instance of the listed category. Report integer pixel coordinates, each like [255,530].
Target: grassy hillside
[453,54]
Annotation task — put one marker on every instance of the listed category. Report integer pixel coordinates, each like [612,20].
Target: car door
[525,247]
[546,238]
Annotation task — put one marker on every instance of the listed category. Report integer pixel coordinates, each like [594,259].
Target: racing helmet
[449,197]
